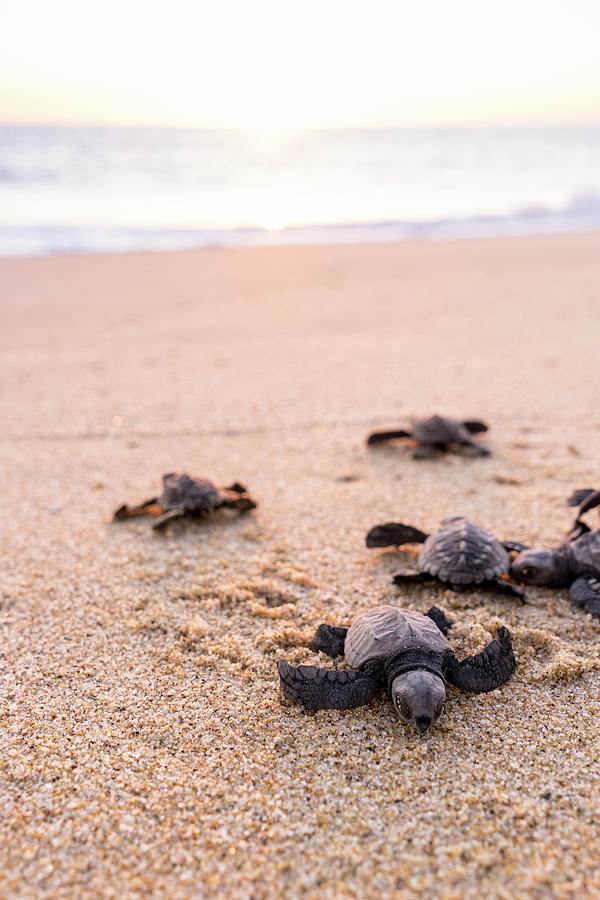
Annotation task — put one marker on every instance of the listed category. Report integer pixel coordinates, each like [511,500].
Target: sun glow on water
[111,187]
[273,224]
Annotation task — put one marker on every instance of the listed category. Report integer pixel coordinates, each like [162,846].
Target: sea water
[95,189]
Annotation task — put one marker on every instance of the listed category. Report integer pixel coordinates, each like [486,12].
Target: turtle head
[542,567]
[418,697]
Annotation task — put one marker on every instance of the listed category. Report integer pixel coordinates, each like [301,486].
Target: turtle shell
[193,494]
[385,630]
[463,553]
[439,430]
[586,552]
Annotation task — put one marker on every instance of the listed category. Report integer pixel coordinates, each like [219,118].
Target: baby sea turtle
[183,495]
[575,563]
[436,433]
[404,650]
[460,553]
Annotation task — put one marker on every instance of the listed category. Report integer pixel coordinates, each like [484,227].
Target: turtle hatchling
[461,554]
[184,496]
[575,563]
[436,433]
[400,649]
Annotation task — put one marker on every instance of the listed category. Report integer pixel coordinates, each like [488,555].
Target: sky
[278,64]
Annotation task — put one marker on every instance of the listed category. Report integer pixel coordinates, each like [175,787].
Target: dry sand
[145,750]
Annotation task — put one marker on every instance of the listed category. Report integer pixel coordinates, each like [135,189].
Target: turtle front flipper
[440,618]
[579,496]
[592,501]
[486,670]
[474,426]
[318,688]
[412,578]
[517,546]
[147,508]
[379,437]
[330,639]
[585,591]
[394,534]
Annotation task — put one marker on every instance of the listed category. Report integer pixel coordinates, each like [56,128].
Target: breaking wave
[581,214]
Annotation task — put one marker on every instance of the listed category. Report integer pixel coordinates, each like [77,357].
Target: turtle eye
[528,571]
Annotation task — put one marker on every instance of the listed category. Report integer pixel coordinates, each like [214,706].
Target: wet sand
[145,749]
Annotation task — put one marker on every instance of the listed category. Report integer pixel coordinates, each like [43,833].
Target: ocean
[98,189]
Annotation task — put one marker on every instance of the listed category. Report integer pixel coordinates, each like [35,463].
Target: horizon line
[169,126]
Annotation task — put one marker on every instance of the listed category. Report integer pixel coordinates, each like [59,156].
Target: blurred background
[127,126]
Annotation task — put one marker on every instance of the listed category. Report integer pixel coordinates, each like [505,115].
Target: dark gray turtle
[575,563]
[183,495]
[436,433]
[402,650]
[460,553]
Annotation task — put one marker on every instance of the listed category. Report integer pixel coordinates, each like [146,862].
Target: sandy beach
[145,749]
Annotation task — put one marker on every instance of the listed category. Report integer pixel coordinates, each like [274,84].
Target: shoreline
[316,247]
[275,244]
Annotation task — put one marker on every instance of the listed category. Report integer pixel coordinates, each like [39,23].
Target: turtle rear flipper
[486,670]
[240,502]
[425,451]
[237,488]
[318,688]
[585,591]
[585,499]
[505,587]
[330,639]
[578,528]
[394,534]
[479,448]
[237,497]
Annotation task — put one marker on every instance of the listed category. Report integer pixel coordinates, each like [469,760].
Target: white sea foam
[71,190]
